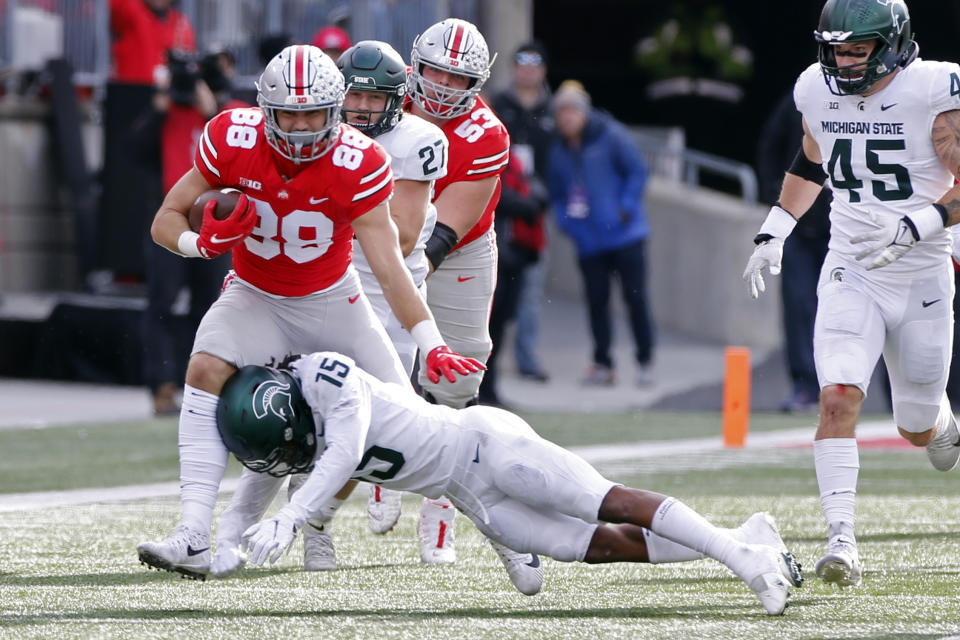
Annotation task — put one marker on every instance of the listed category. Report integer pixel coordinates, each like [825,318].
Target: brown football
[226,201]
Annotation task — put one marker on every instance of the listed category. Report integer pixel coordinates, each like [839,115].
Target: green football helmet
[371,65]
[842,21]
[265,421]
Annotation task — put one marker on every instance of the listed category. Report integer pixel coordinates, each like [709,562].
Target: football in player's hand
[226,201]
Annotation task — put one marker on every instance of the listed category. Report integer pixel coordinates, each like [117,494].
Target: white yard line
[594,454]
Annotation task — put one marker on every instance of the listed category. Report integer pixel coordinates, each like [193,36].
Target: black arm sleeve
[439,244]
[804,168]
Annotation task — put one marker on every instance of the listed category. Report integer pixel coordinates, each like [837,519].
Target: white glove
[769,251]
[895,237]
[269,539]
[228,559]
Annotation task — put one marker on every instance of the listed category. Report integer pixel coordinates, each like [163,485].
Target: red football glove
[442,360]
[219,236]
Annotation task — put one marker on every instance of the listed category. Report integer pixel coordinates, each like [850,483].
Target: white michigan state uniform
[879,156]
[418,150]
[519,489]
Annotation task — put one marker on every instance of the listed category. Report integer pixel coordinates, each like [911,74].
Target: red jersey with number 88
[303,241]
[479,148]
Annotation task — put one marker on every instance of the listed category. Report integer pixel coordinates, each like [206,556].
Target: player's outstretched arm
[408,208]
[801,186]
[378,237]
[461,204]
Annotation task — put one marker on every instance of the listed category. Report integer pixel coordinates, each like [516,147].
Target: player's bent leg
[319,553]
[942,441]
[383,509]
[435,531]
[203,460]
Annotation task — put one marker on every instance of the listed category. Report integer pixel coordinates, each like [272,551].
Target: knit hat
[571,93]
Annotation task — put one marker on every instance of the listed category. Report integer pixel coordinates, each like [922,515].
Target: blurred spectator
[596,181]
[178,291]
[524,107]
[333,41]
[142,32]
[803,254]
[520,239]
[272,44]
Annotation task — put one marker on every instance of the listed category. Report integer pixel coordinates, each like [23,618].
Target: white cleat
[841,565]
[186,552]
[760,528]
[383,509]
[944,449]
[770,575]
[525,569]
[435,530]
[318,551]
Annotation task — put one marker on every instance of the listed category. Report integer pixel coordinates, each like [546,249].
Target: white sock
[661,551]
[203,458]
[681,524]
[837,462]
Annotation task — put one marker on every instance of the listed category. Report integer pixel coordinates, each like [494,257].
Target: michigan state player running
[884,127]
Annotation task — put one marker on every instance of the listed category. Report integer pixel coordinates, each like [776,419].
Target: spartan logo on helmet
[273,397]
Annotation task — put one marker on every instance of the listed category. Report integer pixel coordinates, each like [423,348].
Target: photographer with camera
[193,90]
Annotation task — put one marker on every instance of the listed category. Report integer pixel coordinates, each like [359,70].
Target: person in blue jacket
[596,181]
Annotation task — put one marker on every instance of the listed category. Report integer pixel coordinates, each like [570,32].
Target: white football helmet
[455,46]
[300,78]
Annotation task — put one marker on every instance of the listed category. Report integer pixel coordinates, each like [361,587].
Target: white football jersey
[878,154]
[373,431]
[418,150]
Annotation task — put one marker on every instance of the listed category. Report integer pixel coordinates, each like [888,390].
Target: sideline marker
[736,397]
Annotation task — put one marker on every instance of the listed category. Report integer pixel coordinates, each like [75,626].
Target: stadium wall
[698,246]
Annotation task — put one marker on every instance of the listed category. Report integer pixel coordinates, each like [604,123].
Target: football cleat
[841,564]
[760,528]
[435,530]
[770,574]
[318,551]
[944,449]
[383,509]
[186,552]
[525,569]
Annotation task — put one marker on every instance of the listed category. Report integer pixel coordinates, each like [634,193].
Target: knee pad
[457,394]
[914,416]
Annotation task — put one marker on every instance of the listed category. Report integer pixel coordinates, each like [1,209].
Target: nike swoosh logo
[927,304]
[476,458]
[884,107]
[465,278]
[317,200]
[353,299]
[215,240]
[533,564]
[193,552]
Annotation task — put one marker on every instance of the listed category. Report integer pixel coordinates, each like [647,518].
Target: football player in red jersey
[448,66]
[309,183]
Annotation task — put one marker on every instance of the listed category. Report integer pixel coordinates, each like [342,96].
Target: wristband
[441,241]
[778,224]
[427,336]
[927,221]
[187,244]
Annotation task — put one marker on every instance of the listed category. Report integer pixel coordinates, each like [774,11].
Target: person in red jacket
[142,31]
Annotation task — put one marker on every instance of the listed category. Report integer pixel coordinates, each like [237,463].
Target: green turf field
[72,572]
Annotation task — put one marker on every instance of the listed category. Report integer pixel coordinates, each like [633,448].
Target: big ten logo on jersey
[302,236]
[349,154]
[243,130]
[472,129]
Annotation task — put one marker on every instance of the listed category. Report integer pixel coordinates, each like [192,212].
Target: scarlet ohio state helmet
[300,78]
[455,46]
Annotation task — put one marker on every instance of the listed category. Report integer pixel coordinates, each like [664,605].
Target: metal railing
[667,156]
